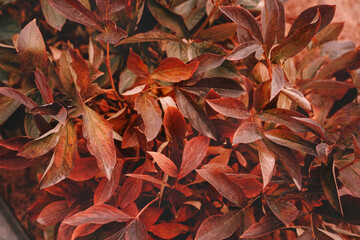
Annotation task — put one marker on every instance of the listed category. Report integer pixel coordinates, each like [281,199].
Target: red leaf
[169,230]
[196,115]
[277,81]
[297,97]
[54,213]
[194,152]
[136,65]
[207,61]
[166,164]
[150,216]
[107,8]
[9,160]
[284,211]
[148,178]
[174,70]
[43,86]
[129,192]
[84,169]
[244,19]
[75,11]
[174,123]
[262,95]
[136,230]
[217,227]
[112,33]
[267,162]
[267,224]
[244,50]
[31,47]
[18,96]
[98,214]
[52,16]
[269,22]
[246,133]
[55,110]
[230,107]
[15,143]
[62,161]
[99,135]
[106,187]
[84,230]
[224,186]
[81,68]
[150,112]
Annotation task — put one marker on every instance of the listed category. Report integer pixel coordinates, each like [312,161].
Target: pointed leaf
[98,214]
[75,11]
[54,213]
[112,33]
[246,133]
[196,115]
[223,185]
[244,50]
[284,211]
[148,178]
[166,164]
[167,18]
[62,161]
[267,162]
[84,230]
[150,36]
[82,71]
[168,230]
[174,70]
[193,154]
[230,107]
[150,112]
[218,227]
[84,169]
[267,225]
[18,96]
[174,123]
[129,192]
[277,80]
[43,86]
[52,16]
[262,95]
[99,135]
[136,65]
[269,22]
[297,97]
[136,230]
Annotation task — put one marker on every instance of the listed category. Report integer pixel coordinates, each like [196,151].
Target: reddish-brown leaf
[246,133]
[148,178]
[84,230]
[84,169]
[150,216]
[277,80]
[52,16]
[267,162]
[169,230]
[267,225]
[54,213]
[136,230]
[43,86]
[82,71]
[174,123]
[284,211]
[99,135]
[244,19]
[224,185]
[62,161]
[196,115]
[98,214]
[129,192]
[112,33]
[75,11]
[297,97]
[107,8]
[218,227]
[166,164]
[18,96]
[245,49]
[269,22]
[207,61]
[194,152]
[136,65]
[174,70]
[262,95]
[150,112]
[106,188]
[10,160]
[230,107]
[31,48]
[15,143]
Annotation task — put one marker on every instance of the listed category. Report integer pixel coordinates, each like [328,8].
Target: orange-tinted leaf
[194,152]
[148,178]
[224,185]
[244,50]
[10,160]
[112,33]
[267,162]
[291,140]
[262,95]
[18,96]
[84,230]
[284,211]
[150,216]
[196,115]
[15,143]
[218,227]
[106,188]
[307,16]
[99,135]
[98,214]
[52,16]
[81,69]
[244,19]
[169,230]
[246,133]
[136,65]
[277,81]
[65,231]
[267,225]
[129,192]
[285,117]
[230,107]
[150,112]
[106,8]
[167,18]
[329,184]
[43,86]
[62,161]
[166,164]
[297,97]
[75,11]
[32,50]
[174,70]
[174,123]
[84,169]
[54,213]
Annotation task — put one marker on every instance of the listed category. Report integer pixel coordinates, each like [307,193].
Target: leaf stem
[348,165]
[107,63]
[147,205]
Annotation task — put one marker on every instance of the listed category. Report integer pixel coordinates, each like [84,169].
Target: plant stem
[107,63]
[147,205]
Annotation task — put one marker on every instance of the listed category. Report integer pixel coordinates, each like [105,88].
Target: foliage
[183,119]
